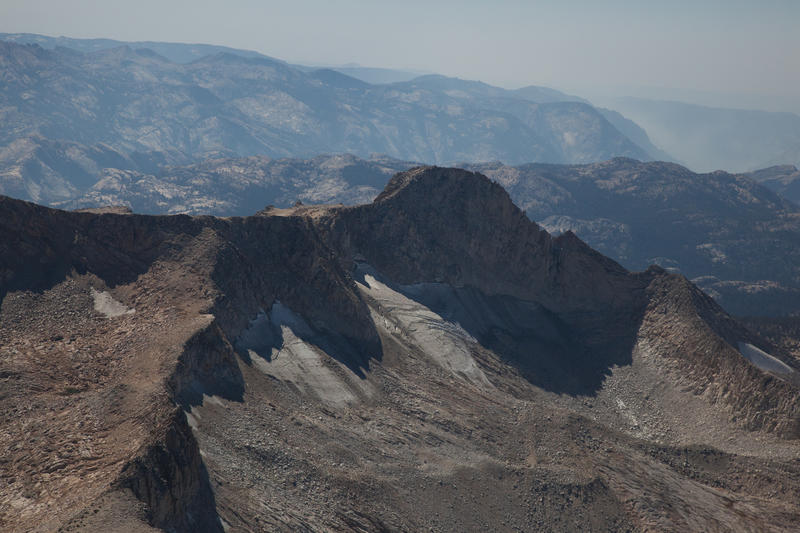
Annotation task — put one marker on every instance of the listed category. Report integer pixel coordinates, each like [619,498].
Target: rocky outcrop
[699,342]
[720,230]
[459,228]
[285,258]
[207,366]
[170,478]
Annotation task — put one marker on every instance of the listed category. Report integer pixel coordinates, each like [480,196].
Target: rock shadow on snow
[562,354]
[282,345]
[280,330]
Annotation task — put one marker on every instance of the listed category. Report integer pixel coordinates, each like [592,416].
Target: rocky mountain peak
[459,227]
[431,186]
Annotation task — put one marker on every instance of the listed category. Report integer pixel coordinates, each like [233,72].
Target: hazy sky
[746,49]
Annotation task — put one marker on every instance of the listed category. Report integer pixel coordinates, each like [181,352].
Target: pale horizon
[729,54]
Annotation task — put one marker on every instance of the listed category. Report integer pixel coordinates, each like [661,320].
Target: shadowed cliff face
[431,360]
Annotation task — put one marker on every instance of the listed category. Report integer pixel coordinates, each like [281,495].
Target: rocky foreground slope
[430,361]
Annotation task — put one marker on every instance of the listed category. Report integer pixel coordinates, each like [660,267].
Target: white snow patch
[763,360]
[191,418]
[106,305]
[445,342]
[212,400]
[298,362]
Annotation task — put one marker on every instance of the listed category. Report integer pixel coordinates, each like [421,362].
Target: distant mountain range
[373,75]
[242,186]
[442,120]
[175,52]
[231,103]
[49,171]
[188,52]
[635,133]
[710,138]
[783,179]
[89,123]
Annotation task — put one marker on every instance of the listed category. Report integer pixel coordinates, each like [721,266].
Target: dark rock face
[441,225]
[431,360]
[591,293]
[279,258]
[172,481]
